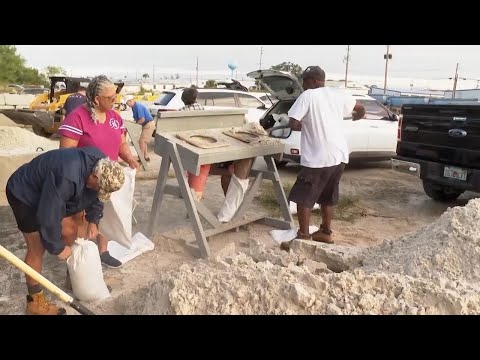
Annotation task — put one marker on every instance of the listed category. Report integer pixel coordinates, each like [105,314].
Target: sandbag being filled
[85,269]
[233,199]
[116,223]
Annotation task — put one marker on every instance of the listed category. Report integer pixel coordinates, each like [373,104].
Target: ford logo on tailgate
[457,133]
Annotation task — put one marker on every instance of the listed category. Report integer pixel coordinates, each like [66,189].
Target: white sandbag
[235,194]
[280,236]
[116,223]
[85,269]
[293,207]
[281,120]
[140,245]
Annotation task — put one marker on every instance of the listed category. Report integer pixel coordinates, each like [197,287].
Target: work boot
[110,261]
[38,305]
[323,235]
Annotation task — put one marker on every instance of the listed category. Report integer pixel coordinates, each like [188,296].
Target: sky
[423,66]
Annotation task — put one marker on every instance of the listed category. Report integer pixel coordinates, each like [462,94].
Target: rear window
[164,98]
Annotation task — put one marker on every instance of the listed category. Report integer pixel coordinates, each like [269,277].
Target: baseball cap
[111,179]
[313,72]
[129,97]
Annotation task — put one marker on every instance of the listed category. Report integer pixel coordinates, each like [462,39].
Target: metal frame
[171,155]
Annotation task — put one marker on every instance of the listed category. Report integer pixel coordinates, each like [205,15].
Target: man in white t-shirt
[318,113]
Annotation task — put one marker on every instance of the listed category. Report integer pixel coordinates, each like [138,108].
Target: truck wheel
[439,193]
[40,131]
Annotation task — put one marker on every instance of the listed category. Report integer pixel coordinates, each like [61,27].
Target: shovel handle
[62,295]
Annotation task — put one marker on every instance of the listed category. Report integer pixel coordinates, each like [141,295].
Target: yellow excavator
[45,111]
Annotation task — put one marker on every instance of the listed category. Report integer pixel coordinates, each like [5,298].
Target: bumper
[433,172]
[406,167]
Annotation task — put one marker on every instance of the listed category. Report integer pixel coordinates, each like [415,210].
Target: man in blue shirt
[142,116]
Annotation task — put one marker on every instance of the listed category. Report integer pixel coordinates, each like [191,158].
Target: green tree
[145,76]
[13,69]
[11,64]
[290,67]
[211,84]
[54,70]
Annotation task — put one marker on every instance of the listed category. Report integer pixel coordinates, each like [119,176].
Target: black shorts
[317,185]
[26,216]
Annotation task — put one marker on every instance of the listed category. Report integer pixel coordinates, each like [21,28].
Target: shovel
[62,295]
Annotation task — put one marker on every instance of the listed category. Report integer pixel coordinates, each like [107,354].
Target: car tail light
[294,151]
[399,131]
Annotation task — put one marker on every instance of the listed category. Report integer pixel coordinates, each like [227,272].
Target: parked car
[211,99]
[374,137]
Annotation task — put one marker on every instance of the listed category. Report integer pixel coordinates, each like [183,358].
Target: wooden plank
[202,209]
[201,139]
[159,192]
[189,202]
[277,223]
[229,226]
[134,131]
[279,192]
[193,120]
[247,200]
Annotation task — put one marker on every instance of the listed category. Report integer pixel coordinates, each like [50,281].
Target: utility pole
[153,77]
[261,54]
[455,80]
[197,72]
[387,57]
[346,65]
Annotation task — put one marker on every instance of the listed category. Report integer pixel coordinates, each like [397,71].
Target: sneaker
[110,261]
[38,305]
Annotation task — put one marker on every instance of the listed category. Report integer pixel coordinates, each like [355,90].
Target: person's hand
[65,254]
[133,163]
[92,231]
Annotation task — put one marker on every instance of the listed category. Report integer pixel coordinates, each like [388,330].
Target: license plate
[455,173]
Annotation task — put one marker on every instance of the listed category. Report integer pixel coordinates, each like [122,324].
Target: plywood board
[244,136]
[202,140]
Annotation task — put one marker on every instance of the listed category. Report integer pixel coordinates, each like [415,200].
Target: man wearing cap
[142,116]
[318,113]
[45,193]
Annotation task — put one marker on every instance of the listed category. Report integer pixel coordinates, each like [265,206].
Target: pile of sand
[432,271]
[18,141]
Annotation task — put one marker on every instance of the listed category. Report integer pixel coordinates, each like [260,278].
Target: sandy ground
[387,205]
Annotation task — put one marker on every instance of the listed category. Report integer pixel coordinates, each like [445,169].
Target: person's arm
[124,152]
[93,214]
[140,121]
[298,111]
[358,111]
[70,131]
[353,108]
[52,209]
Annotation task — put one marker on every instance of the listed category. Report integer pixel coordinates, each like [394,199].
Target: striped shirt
[107,137]
[194,106]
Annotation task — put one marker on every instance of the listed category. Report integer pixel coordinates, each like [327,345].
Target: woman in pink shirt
[97,124]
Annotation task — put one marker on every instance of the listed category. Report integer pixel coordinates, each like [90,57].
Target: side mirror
[394,117]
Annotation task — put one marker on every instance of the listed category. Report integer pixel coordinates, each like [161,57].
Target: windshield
[374,110]
[164,98]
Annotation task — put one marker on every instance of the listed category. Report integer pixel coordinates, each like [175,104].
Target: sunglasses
[111,98]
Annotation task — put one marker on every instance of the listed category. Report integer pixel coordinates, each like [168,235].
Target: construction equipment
[45,113]
[62,295]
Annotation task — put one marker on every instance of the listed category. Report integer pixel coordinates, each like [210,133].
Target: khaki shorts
[147,132]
